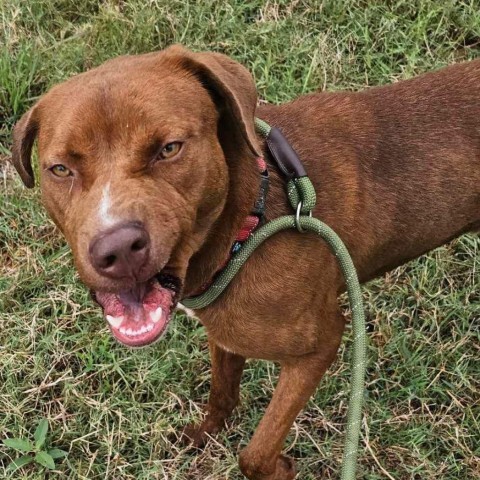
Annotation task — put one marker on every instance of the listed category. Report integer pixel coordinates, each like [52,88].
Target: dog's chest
[261,333]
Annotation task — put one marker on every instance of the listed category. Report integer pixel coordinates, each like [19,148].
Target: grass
[116,411]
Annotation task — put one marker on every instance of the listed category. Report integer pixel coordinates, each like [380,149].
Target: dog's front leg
[262,458]
[227,371]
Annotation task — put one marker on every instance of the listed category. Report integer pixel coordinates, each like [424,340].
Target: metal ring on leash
[297,217]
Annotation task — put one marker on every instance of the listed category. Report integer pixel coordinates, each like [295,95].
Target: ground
[116,411]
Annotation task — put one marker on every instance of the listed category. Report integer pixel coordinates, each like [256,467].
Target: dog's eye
[61,170]
[170,150]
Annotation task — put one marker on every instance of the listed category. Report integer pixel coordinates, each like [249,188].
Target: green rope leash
[302,197]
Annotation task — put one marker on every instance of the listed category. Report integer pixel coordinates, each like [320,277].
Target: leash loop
[302,197]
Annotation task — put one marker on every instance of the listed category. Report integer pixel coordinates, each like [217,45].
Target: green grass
[117,411]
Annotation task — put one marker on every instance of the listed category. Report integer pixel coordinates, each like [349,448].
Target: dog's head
[134,171]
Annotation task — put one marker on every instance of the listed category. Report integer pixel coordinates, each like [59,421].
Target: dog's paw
[197,435]
[284,468]
[194,436]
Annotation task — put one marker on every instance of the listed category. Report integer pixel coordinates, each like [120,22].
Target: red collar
[251,223]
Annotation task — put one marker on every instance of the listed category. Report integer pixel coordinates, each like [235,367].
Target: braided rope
[358,362]
[303,193]
[302,190]
[263,128]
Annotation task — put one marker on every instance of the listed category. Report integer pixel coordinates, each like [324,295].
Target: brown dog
[148,166]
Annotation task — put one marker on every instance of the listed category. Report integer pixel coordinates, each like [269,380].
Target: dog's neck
[244,186]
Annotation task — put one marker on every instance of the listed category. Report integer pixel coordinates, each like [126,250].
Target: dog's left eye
[170,150]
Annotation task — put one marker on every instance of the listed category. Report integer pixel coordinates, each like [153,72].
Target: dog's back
[397,167]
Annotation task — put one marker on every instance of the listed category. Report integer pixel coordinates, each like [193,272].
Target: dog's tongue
[137,317]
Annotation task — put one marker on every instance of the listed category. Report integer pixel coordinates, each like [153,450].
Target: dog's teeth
[115,322]
[156,315]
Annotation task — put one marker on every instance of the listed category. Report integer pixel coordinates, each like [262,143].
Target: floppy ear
[228,80]
[24,134]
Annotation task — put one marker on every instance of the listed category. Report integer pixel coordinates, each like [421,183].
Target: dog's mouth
[140,316]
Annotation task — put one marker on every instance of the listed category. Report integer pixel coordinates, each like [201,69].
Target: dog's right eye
[61,170]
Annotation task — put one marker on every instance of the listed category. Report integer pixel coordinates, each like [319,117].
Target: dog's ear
[230,83]
[24,134]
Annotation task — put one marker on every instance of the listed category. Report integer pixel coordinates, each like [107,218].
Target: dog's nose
[120,252]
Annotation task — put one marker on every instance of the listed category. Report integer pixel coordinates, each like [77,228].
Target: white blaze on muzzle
[104,215]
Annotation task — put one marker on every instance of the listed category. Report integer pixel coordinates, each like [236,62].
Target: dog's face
[134,173]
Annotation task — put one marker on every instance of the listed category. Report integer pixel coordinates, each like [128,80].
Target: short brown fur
[397,173]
